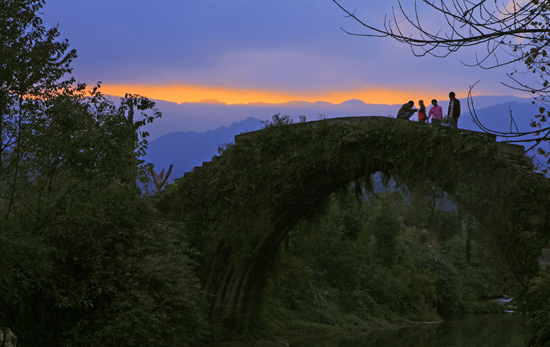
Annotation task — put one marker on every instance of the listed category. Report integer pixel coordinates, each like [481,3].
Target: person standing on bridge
[406,111]
[422,112]
[454,110]
[436,113]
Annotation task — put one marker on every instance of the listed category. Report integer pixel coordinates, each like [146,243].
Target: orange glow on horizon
[188,93]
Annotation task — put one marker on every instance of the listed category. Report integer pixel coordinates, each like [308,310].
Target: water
[472,330]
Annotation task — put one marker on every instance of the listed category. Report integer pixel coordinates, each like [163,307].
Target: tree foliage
[386,228]
[323,276]
[86,261]
[538,307]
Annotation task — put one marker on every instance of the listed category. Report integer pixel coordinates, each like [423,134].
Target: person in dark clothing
[406,111]
[454,110]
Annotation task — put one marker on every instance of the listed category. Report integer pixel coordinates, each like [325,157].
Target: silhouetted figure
[422,112]
[436,113]
[454,110]
[406,111]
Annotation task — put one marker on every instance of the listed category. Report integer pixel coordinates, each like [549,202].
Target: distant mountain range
[186,149]
[194,116]
[501,117]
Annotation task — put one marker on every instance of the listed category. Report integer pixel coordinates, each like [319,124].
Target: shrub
[538,308]
[385,228]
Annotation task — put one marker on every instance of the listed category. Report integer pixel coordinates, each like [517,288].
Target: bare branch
[159,178]
[506,33]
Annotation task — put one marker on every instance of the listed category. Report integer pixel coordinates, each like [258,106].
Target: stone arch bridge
[238,208]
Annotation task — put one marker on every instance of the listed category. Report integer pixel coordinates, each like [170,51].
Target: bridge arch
[238,208]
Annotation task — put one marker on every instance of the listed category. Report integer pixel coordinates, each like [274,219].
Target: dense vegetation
[386,259]
[87,259]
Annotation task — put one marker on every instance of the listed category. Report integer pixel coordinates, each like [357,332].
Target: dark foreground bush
[538,308]
[113,276]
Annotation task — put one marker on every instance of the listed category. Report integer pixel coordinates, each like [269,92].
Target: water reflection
[475,330]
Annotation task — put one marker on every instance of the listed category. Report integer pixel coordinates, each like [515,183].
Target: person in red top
[422,112]
[436,113]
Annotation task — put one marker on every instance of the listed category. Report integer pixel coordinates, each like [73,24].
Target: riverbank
[291,328]
[478,329]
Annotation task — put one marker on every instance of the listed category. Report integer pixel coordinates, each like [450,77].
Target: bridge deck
[363,119]
[512,152]
[506,148]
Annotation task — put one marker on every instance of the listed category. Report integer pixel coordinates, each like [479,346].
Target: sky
[250,51]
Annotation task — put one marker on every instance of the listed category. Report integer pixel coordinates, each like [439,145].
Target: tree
[385,228]
[516,32]
[32,63]
[84,259]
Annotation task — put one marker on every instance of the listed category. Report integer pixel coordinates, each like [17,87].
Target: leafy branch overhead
[506,33]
